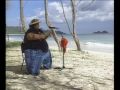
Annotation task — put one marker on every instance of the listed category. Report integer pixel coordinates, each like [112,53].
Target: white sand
[86,70]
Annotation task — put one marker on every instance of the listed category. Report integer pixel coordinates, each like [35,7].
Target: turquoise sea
[94,42]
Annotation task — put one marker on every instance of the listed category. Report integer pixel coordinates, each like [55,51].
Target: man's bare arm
[47,34]
[32,36]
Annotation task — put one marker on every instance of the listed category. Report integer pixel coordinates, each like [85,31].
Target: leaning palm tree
[72,32]
[22,18]
[23,27]
[74,25]
[49,24]
[74,12]
[75,6]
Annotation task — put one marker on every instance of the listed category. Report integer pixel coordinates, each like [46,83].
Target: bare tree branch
[74,25]
[87,7]
[65,17]
[73,15]
[78,3]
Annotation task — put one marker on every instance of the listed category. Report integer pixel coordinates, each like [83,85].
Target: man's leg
[47,60]
[28,60]
[37,61]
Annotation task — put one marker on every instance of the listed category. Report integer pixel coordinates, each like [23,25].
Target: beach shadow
[61,68]
[17,69]
[43,78]
[58,84]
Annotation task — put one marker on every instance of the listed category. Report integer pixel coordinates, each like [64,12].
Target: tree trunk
[22,16]
[49,24]
[74,25]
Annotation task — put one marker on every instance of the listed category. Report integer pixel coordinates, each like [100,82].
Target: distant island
[101,32]
[57,32]
[16,30]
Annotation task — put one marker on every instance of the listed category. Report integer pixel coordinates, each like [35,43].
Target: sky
[91,17]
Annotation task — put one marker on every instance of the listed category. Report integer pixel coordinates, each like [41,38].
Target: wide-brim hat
[34,21]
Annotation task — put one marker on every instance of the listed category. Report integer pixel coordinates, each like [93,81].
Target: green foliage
[12,44]
[16,30]
[13,30]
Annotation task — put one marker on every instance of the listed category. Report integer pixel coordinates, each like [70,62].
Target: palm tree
[49,24]
[74,12]
[22,18]
[72,32]
[74,25]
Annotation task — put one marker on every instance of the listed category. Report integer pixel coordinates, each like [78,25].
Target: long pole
[63,58]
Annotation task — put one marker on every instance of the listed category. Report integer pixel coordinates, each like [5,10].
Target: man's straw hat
[34,21]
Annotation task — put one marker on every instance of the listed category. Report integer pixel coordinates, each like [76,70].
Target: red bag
[64,42]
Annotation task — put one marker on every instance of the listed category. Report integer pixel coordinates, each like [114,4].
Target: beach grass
[13,44]
[13,30]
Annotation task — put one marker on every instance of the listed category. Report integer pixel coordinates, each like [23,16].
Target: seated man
[37,52]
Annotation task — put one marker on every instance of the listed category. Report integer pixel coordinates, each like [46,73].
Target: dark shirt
[35,44]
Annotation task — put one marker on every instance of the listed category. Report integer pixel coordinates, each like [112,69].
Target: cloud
[39,12]
[30,18]
[54,11]
[98,10]
[38,16]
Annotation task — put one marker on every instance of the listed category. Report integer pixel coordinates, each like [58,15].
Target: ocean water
[93,42]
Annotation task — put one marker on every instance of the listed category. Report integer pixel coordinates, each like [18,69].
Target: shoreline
[71,45]
[87,42]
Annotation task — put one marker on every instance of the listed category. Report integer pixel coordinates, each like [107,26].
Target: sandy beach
[87,70]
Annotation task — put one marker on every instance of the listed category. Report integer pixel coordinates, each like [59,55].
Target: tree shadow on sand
[42,80]
[17,69]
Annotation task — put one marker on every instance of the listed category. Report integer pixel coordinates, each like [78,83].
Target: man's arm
[32,36]
[47,34]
